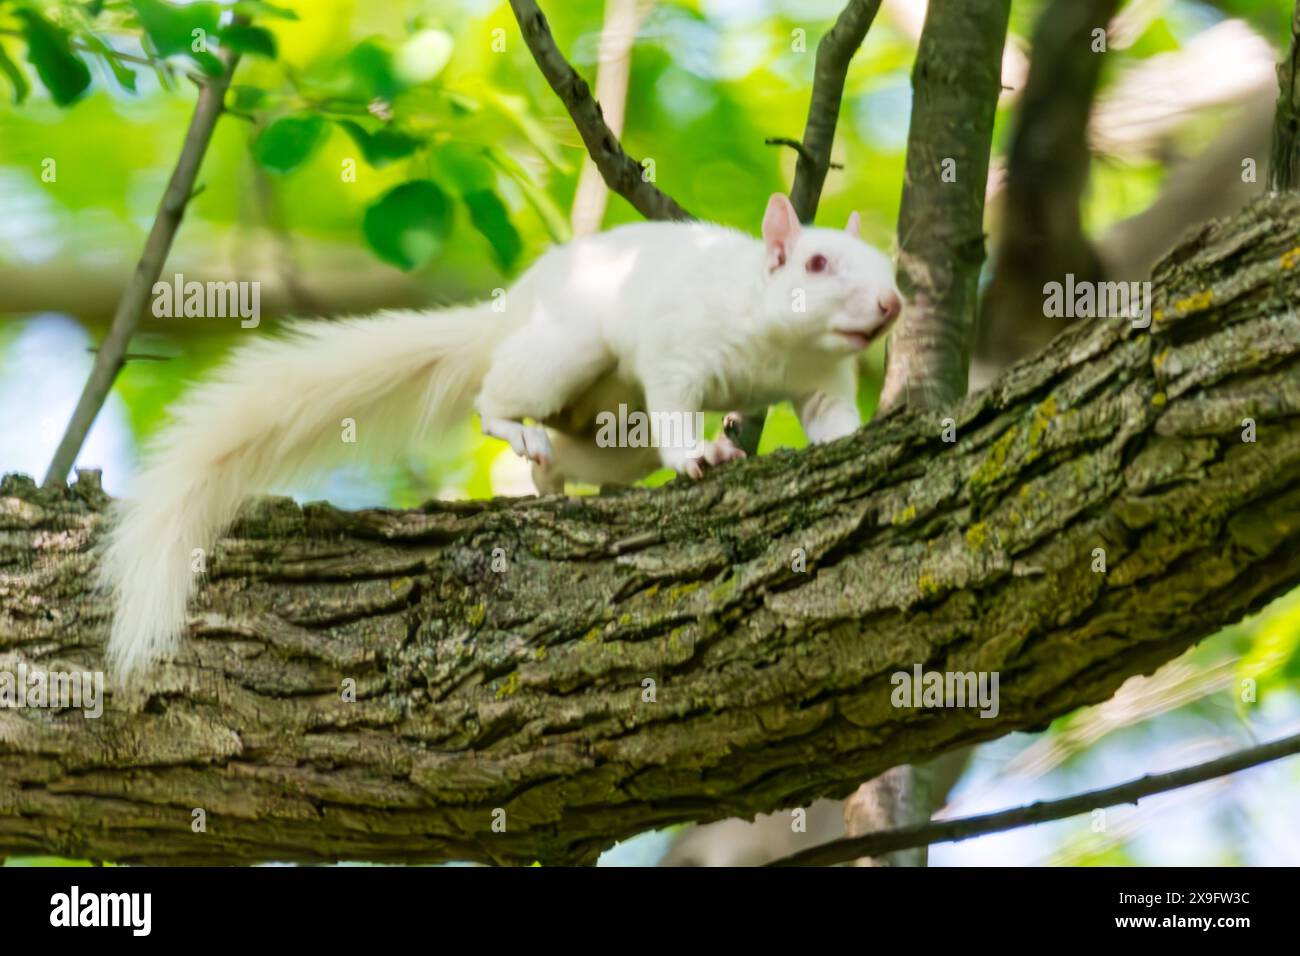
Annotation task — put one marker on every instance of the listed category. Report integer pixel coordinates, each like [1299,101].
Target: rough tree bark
[955,85]
[1284,165]
[522,689]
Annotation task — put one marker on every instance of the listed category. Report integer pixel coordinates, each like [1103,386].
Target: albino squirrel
[665,317]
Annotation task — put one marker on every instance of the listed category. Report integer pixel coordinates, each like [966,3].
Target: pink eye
[817,263]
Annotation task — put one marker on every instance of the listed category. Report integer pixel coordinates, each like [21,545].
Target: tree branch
[955,88]
[621,172]
[834,52]
[951,831]
[347,279]
[799,148]
[1284,170]
[112,351]
[523,689]
[105,51]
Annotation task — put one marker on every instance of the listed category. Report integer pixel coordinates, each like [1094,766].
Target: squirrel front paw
[709,453]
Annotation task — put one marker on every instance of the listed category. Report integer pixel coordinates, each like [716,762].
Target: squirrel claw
[537,446]
[712,454]
[527,441]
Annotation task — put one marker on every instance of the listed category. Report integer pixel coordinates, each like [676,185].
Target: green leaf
[208,64]
[371,66]
[249,39]
[472,171]
[408,226]
[171,27]
[466,166]
[461,105]
[553,218]
[64,74]
[246,98]
[519,111]
[489,216]
[255,8]
[289,141]
[124,76]
[15,73]
[384,145]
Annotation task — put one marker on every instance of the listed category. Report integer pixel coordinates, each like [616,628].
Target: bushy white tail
[272,414]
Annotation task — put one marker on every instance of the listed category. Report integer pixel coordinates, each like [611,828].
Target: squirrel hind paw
[527,441]
[547,479]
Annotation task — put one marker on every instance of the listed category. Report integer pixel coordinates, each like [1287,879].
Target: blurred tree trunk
[1042,237]
[1218,181]
[622,20]
[346,280]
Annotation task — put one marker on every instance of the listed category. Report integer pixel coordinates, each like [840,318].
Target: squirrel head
[825,289]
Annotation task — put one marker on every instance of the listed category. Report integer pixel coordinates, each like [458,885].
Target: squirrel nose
[890,306]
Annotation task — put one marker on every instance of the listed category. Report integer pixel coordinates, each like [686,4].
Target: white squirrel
[673,318]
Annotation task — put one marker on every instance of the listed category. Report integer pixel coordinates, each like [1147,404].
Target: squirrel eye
[817,263]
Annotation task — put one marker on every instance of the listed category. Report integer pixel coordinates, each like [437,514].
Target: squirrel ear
[780,229]
[854,227]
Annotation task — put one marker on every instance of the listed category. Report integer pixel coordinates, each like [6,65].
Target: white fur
[275,412]
[673,317]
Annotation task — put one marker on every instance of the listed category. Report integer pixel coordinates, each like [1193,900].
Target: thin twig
[798,147]
[137,356]
[949,831]
[112,352]
[621,172]
[108,50]
[834,52]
